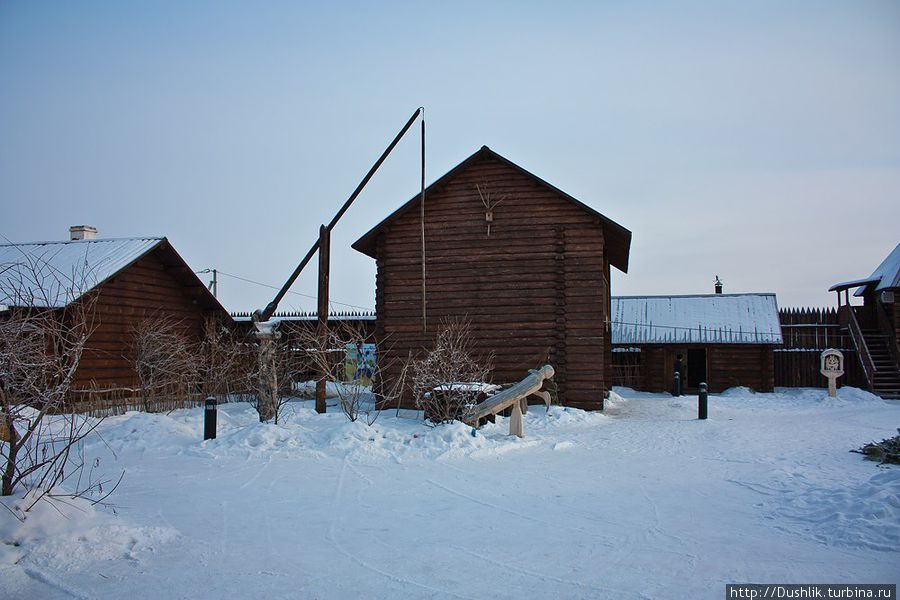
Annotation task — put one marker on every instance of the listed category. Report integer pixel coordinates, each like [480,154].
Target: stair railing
[859,341]
[886,326]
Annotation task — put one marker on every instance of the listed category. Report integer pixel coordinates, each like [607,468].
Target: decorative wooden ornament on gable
[490,200]
[832,367]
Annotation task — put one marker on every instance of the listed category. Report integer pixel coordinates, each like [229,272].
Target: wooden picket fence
[100,402]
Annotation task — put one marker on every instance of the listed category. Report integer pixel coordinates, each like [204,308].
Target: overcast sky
[759,141]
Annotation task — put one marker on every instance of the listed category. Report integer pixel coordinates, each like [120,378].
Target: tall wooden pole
[422,220]
[322,331]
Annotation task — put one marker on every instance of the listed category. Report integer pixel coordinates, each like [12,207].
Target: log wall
[535,290]
[727,365]
[152,285]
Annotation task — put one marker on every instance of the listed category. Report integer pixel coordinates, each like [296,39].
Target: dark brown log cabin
[725,340]
[526,263]
[131,279]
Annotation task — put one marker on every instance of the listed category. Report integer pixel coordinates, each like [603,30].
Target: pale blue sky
[755,140]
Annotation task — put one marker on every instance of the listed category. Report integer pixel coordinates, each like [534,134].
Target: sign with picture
[359,363]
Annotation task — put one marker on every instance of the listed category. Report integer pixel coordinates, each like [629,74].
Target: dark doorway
[696,367]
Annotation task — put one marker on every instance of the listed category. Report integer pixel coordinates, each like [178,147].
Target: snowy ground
[643,501]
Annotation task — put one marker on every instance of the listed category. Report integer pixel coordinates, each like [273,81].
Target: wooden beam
[324,273]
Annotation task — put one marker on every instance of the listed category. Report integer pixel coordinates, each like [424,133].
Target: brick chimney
[82,232]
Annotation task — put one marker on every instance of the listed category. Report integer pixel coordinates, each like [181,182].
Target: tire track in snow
[508,511]
[52,583]
[223,538]
[257,474]
[331,538]
[544,576]
[759,488]
[656,531]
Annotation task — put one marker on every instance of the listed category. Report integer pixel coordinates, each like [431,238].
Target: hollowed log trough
[515,397]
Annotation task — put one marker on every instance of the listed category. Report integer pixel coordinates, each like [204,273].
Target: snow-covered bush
[448,380]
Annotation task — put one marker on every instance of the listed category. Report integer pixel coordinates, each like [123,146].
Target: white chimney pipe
[82,232]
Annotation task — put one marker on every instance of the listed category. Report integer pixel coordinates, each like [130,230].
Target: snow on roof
[888,273]
[885,276]
[853,283]
[53,274]
[708,318]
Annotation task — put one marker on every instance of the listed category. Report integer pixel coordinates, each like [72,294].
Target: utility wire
[273,287]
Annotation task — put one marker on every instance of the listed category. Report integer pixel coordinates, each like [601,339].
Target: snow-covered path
[641,502]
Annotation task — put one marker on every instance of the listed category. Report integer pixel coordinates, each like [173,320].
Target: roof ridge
[116,239]
[618,259]
[735,294]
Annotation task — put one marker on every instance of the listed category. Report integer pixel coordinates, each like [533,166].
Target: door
[696,367]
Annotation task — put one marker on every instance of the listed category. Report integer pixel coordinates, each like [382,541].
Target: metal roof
[707,318]
[53,274]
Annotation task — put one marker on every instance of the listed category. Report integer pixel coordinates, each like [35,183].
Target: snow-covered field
[643,501]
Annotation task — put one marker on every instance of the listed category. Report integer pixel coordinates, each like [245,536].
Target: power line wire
[273,287]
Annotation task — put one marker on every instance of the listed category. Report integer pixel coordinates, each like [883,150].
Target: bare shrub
[353,382]
[446,381]
[46,320]
[326,357]
[227,361]
[165,358]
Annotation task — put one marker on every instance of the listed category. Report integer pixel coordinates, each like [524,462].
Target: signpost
[832,367]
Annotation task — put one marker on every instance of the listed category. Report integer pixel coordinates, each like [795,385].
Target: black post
[209,418]
[702,402]
[676,388]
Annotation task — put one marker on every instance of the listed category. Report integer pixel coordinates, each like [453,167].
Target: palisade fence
[313,316]
[806,333]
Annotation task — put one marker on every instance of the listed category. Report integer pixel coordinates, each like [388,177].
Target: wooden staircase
[885,379]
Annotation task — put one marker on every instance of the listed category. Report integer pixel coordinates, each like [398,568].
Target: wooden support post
[267,382]
[516,423]
[4,430]
[322,331]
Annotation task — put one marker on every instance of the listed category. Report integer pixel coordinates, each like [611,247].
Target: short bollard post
[702,402]
[209,418]
[676,387]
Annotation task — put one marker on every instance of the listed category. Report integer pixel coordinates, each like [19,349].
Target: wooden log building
[526,263]
[132,278]
[874,326]
[725,340]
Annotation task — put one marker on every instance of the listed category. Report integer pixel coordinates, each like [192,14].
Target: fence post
[210,412]
[702,403]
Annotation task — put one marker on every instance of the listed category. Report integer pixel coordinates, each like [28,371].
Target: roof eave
[855,283]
